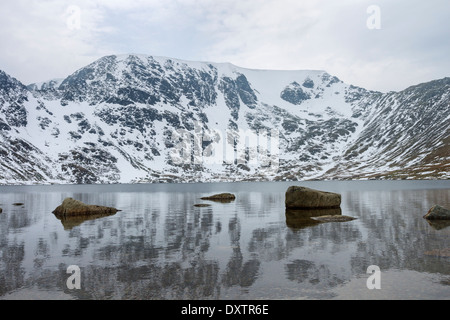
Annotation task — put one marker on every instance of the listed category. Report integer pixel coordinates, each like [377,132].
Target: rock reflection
[71,222]
[298,219]
[439,224]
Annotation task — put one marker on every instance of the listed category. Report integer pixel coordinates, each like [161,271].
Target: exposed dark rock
[72,207]
[306,198]
[438,213]
[308,83]
[246,93]
[294,94]
[229,89]
[200,205]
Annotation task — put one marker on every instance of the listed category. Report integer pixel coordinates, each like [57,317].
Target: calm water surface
[162,247]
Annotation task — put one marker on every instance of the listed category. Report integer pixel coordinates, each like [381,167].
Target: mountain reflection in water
[162,247]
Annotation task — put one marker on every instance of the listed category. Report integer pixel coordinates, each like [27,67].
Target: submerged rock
[306,198]
[438,213]
[72,207]
[438,252]
[334,218]
[202,205]
[303,218]
[221,197]
[312,213]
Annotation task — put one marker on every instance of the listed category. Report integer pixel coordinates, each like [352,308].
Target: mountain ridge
[140,118]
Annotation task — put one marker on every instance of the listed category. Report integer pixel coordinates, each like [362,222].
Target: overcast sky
[380,45]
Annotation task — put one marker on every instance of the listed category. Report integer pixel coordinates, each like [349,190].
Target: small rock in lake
[438,213]
[221,197]
[1,210]
[202,205]
[18,204]
[72,207]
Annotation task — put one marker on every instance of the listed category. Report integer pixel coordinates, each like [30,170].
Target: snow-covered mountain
[138,118]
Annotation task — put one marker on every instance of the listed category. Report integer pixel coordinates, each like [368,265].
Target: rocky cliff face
[405,136]
[136,118]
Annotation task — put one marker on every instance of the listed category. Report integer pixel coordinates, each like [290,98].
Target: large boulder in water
[306,198]
[438,213]
[72,207]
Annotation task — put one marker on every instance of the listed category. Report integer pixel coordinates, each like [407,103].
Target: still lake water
[162,247]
